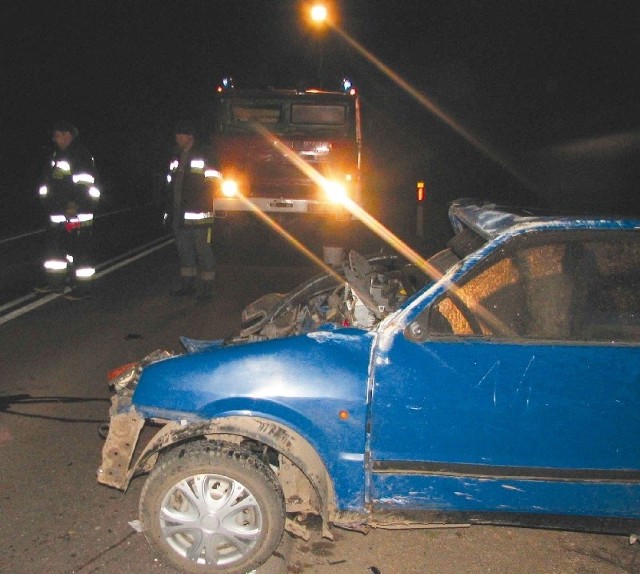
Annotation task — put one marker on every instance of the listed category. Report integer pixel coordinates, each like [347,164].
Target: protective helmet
[65,126]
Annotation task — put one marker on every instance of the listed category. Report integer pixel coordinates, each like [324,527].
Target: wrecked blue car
[502,389]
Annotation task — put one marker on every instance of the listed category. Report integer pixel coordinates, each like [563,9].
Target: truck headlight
[229,188]
[335,190]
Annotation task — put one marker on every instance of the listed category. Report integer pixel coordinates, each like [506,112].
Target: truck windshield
[283,117]
[267,115]
[318,115]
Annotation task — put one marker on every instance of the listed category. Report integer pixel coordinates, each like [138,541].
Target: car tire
[212,507]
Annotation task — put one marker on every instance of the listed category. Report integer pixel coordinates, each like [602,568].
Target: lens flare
[229,188]
[426,102]
[335,191]
[361,215]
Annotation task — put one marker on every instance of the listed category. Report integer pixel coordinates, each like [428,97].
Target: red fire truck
[287,151]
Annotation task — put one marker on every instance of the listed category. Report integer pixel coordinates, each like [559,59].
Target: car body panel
[486,425]
[512,425]
[304,382]
[581,500]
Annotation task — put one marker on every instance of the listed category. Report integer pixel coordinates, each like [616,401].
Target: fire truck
[287,152]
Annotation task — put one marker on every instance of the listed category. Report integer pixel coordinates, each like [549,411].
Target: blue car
[501,388]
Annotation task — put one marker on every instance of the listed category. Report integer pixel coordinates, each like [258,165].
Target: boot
[48,288]
[207,291]
[81,290]
[187,287]
[56,283]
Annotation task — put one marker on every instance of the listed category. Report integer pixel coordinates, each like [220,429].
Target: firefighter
[70,194]
[191,182]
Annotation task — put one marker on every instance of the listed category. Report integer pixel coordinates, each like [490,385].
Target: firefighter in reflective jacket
[189,209]
[69,193]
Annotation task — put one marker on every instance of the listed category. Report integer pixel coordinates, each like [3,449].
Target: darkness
[551,86]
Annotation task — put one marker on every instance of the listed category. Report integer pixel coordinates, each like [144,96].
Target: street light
[319,14]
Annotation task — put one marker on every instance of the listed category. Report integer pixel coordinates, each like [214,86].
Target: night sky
[535,80]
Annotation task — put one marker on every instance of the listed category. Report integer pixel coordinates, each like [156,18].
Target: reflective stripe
[197,164]
[83,178]
[63,166]
[94,192]
[55,264]
[80,218]
[212,173]
[195,216]
[85,272]
[168,178]
[43,190]
[173,165]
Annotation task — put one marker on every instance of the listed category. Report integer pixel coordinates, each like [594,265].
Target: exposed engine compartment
[361,293]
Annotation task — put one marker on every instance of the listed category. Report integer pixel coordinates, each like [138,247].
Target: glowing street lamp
[319,14]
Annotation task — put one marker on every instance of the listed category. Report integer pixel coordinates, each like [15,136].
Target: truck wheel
[212,507]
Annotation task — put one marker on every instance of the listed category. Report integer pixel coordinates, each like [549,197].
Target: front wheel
[212,507]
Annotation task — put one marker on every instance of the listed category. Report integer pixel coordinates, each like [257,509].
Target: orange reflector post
[343,415]
[421,191]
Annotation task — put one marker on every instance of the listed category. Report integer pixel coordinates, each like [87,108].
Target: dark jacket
[69,185]
[192,182]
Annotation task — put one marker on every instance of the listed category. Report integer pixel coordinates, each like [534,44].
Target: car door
[517,390]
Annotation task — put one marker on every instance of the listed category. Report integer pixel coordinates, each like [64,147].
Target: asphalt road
[53,394]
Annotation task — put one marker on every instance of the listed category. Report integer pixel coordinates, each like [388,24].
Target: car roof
[490,220]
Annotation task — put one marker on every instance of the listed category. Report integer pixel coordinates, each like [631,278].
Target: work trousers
[73,246]
[195,253]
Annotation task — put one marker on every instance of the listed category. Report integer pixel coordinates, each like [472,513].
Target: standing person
[191,183]
[70,195]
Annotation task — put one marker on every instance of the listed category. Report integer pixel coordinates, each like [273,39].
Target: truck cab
[287,151]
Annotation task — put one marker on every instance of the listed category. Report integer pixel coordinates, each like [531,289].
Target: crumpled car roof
[491,220]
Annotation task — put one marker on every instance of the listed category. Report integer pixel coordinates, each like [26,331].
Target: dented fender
[117,469]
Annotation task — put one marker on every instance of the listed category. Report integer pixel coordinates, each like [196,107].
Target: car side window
[561,286]
[606,305]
